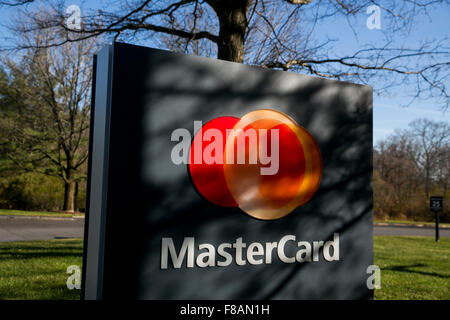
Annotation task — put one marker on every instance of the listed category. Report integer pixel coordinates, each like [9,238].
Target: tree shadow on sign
[153,198]
[407,268]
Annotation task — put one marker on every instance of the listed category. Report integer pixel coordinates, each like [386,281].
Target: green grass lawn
[6,212]
[37,269]
[411,268]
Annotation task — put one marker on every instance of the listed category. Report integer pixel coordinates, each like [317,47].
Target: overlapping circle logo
[264,163]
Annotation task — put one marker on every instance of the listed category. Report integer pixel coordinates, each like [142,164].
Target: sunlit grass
[37,269]
[6,212]
[413,267]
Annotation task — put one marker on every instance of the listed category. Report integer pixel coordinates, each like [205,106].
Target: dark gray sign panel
[148,227]
[436,203]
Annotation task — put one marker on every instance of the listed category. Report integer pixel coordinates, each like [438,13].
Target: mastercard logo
[264,163]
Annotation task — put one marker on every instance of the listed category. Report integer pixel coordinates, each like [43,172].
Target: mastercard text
[205,255]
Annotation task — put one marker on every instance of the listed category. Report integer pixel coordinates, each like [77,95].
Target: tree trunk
[427,182]
[444,195]
[69,192]
[75,198]
[232,16]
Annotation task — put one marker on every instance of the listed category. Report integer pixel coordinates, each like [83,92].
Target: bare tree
[443,170]
[45,108]
[429,141]
[271,33]
[408,166]
[397,175]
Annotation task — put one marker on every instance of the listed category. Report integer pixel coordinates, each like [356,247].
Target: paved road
[409,231]
[24,228]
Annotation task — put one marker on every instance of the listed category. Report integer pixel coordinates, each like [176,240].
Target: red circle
[209,179]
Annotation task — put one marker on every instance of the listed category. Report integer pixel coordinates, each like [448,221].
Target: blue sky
[389,111]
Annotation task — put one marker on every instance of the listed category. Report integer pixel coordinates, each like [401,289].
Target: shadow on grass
[406,268]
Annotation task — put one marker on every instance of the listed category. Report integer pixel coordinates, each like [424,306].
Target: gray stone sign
[153,232]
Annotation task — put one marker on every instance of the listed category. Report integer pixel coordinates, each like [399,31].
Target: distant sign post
[436,206]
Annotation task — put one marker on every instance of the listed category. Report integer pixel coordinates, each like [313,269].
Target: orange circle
[274,195]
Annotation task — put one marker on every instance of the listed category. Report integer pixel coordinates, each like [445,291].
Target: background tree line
[44,123]
[409,166]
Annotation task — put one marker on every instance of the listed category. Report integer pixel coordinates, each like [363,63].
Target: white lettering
[304,255]
[168,246]
[210,256]
[207,255]
[281,252]
[331,244]
[239,246]
[255,249]
[221,252]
